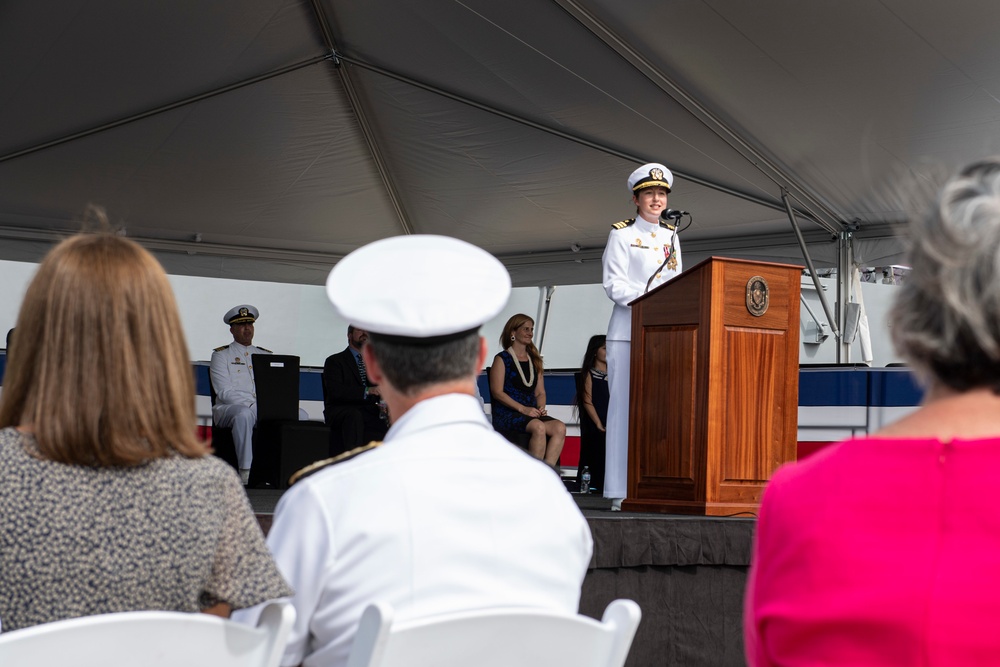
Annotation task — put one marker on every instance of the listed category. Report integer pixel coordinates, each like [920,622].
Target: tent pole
[812,269]
[541,322]
[845,263]
[373,147]
[364,123]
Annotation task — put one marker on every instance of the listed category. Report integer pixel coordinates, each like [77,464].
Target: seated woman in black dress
[518,393]
[592,403]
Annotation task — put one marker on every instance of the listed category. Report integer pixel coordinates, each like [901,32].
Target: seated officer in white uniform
[445,514]
[232,379]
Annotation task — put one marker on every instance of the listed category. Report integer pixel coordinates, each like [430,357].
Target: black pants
[593,446]
[352,426]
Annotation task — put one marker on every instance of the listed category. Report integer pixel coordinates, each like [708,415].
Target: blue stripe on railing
[876,387]
[201,385]
[560,387]
[311,386]
[833,387]
[310,382]
[895,387]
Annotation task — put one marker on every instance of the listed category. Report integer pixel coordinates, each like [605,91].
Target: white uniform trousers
[241,419]
[616,456]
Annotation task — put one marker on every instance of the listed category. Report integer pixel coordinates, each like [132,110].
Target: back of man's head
[411,368]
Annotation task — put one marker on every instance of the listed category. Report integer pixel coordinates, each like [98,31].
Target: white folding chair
[151,639]
[495,638]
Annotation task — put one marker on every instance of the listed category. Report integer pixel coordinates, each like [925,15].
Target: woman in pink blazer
[886,550]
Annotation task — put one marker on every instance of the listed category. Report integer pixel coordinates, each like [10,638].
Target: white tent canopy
[265,139]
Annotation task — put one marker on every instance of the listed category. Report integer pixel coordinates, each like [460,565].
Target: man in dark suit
[352,406]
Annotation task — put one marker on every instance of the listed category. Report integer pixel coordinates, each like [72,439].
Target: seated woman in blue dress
[518,393]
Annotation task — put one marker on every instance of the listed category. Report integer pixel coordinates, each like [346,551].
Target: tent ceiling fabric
[225,136]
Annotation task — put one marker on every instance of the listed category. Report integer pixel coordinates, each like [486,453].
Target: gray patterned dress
[173,534]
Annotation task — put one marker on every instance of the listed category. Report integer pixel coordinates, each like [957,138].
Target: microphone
[672,214]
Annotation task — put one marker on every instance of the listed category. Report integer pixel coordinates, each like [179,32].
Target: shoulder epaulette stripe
[221,348]
[623,224]
[667,225]
[339,458]
[264,349]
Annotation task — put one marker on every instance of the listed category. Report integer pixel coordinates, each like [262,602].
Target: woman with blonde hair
[517,389]
[884,550]
[108,502]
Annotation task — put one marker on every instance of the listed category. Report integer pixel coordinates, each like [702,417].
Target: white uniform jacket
[633,254]
[232,374]
[446,515]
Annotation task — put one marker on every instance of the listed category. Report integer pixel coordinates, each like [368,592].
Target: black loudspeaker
[283,448]
[276,381]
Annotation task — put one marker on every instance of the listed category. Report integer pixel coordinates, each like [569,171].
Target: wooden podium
[714,387]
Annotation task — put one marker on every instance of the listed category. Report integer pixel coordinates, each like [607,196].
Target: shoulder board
[340,458]
[623,224]
[666,224]
[264,349]
[221,348]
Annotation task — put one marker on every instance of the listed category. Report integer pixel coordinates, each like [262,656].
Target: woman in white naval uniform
[636,251]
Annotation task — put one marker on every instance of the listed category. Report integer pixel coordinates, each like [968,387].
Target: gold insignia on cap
[241,315]
[656,174]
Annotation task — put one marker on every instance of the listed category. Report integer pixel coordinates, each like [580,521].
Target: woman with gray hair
[885,550]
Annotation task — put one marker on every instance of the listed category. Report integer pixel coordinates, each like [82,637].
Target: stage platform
[687,574]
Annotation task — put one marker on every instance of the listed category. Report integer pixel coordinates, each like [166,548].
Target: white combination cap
[421,288]
[241,314]
[650,175]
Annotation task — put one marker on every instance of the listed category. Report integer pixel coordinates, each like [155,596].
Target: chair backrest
[151,639]
[276,379]
[495,638]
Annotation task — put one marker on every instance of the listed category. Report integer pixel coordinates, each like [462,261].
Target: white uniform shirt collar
[438,411]
[643,225]
[243,348]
